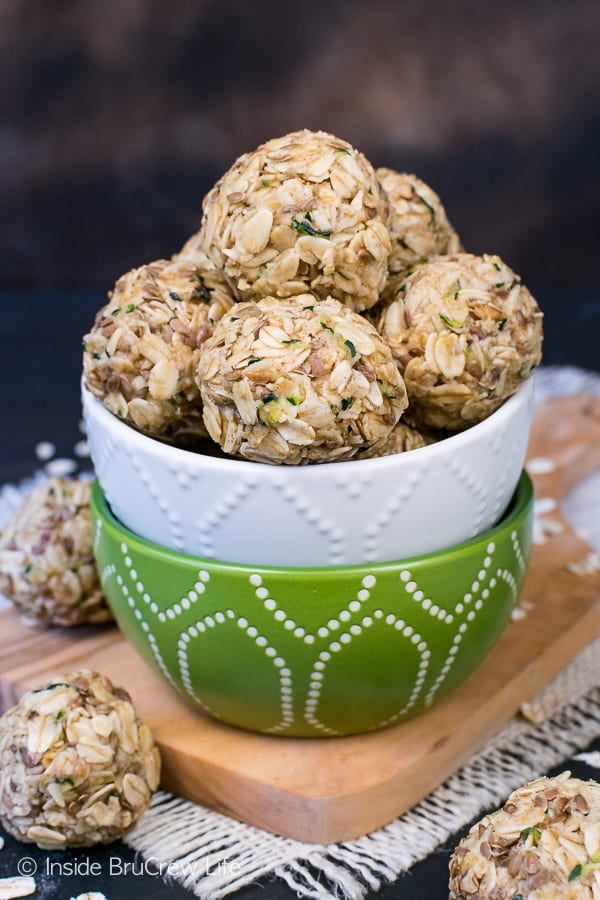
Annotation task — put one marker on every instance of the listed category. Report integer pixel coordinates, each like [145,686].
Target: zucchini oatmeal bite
[47,566]
[403,437]
[543,844]
[140,356]
[465,333]
[77,764]
[298,381]
[302,212]
[418,225]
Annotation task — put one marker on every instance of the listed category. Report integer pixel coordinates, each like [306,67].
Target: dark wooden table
[40,362]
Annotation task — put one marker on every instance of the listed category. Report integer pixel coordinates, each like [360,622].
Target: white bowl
[368,510]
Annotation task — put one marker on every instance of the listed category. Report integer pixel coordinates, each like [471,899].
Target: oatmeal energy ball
[141,353]
[298,381]
[402,437]
[47,564]
[465,333]
[418,225]
[544,844]
[302,212]
[77,766]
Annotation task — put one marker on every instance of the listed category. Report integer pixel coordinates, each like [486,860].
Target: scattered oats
[518,614]
[18,886]
[588,566]
[465,334]
[82,449]
[544,505]
[298,381]
[141,353]
[533,712]
[60,468]
[303,212]
[47,565]
[544,529]
[540,465]
[91,895]
[544,843]
[45,450]
[590,759]
[64,781]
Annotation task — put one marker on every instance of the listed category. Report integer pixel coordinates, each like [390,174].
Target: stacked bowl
[309,429]
[316,600]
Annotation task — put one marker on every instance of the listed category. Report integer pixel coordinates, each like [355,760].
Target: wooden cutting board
[326,790]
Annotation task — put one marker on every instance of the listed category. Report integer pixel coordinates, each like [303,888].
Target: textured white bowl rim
[453,443]
[517,510]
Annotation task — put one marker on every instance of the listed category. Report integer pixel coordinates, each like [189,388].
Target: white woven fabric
[213,855]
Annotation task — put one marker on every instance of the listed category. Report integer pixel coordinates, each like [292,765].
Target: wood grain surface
[327,790]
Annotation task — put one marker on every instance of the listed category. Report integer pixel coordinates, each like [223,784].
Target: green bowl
[320,651]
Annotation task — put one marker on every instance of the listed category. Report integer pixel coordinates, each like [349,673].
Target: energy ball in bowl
[140,356]
[541,845]
[418,225]
[403,437]
[47,563]
[466,333]
[298,381]
[302,212]
[193,255]
[77,765]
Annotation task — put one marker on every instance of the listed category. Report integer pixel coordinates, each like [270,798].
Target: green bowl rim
[521,503]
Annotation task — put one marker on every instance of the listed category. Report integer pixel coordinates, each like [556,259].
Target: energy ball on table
[298,381]
[141,353]
[77,765]
[303,212]
[465,333]
[47,563]
[543,844]
[418,225]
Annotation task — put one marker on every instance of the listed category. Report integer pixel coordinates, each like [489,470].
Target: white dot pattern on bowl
[314,517]
[348,626]
[146,628]
[518,552]
[207,527]
[392,508]
[104,456]
[202,627]
[411,588]
[354,486]
[326,656]
[317,515]
[473,606]
[475,487]
[97,534]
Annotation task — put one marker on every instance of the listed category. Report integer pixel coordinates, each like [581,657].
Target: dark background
[119,115]
[116,117]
